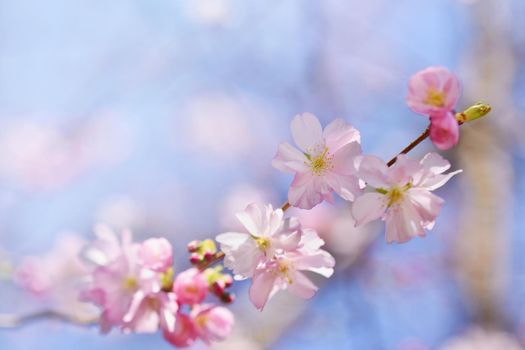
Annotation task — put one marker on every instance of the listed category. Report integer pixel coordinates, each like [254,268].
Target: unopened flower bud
[193,246]
[473,112]
[195,258]
[227,298]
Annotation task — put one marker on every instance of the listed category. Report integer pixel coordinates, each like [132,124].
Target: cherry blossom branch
[411,146]
[475,111]
[8,321]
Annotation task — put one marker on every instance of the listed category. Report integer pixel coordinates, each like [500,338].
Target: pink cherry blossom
[444,130]
[149,311]
[284,271]
[402,194]
[212,323]
[434,90]
[324,163]
[267,232]
[156,254]
[184,333]
[114,283]
[190,286]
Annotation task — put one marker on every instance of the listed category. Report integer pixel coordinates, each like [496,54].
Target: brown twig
[411,146]
[15,321]
[207,263]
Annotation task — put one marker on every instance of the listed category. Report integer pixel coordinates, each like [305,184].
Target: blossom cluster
[434,92]
[135,286]
[273,252]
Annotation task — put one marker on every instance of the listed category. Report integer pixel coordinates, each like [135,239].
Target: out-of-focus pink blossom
[55,277]
[118,277]
[324,163]
[149,311]
[402,194]
[212,323]
[444,130]
[284,271]
[267,232]
[184,333]
[156,254]
[434,90]
[190,286]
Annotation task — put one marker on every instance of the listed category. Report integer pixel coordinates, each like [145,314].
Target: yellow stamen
[320,162]
[395,194]
[130,283]
[262,242]
[435,97]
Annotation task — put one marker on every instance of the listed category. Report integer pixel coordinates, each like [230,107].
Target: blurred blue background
[163,116]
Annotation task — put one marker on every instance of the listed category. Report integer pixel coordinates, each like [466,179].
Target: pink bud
[195,259]
[228,298]
[156,254]
[190,286]
[444,130]
[193,246]
[228,280]
[218,288]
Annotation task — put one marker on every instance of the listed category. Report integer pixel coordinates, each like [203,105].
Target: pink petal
[301,286]
[307,131]
[262,285]
[339,133]
[427,204]
[252,218]
[403,223]
[321,262]
[437,181]
[344,159]
[184,333]
[404,169]
[435,163]
[444,131]
[289,159]
[346,186]
[368,207]
[303,193]
[373,171]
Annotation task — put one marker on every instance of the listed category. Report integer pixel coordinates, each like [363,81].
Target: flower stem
[411,146]
[15,321]
[207,263]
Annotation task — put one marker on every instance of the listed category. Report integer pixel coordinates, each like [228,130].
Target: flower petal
[262,286]
[301,286]
[368,207]
[339,133]
[303,193]
[307,132]
[373,171]
[289,159]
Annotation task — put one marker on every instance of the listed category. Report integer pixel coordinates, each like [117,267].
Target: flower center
[395,194]
[435,97]
[320,162]
[284,270]
[262,242]
[130,283]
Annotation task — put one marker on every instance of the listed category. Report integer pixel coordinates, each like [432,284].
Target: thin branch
[207,263]
[411,146]
[14,321]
